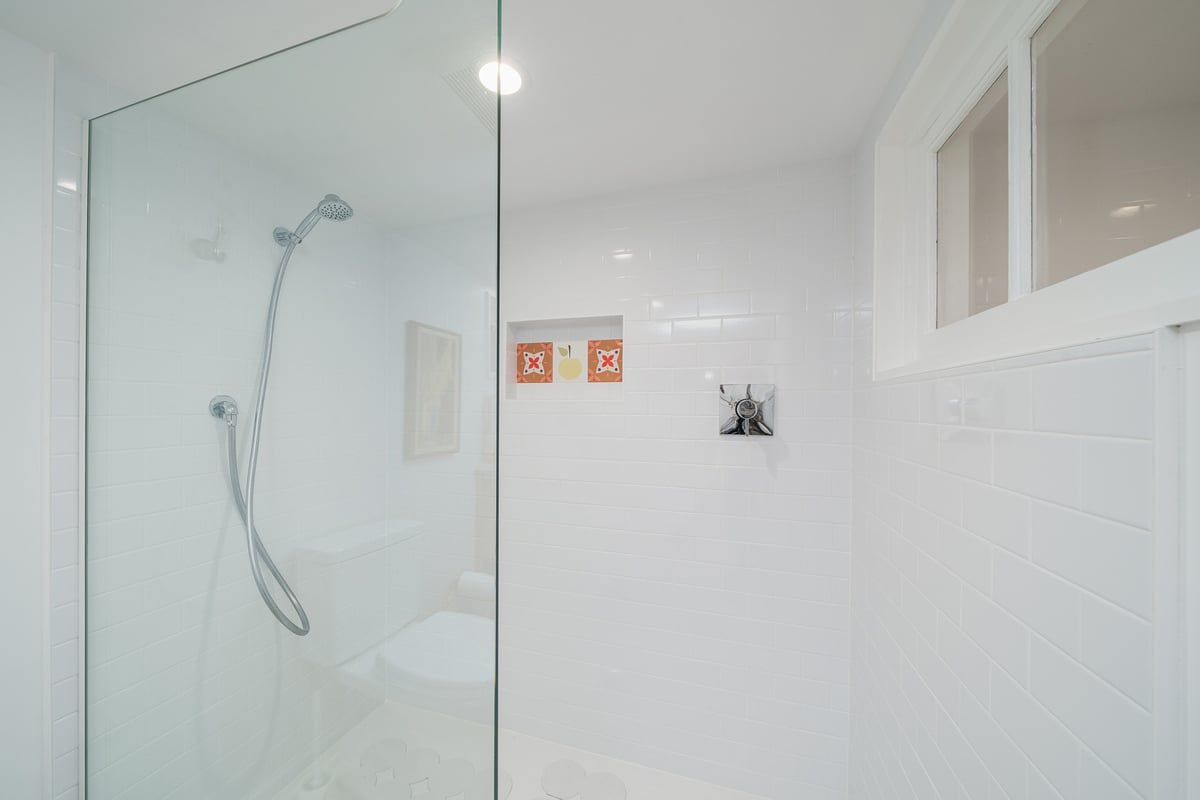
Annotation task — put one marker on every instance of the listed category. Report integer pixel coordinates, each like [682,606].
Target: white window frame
[1149,289]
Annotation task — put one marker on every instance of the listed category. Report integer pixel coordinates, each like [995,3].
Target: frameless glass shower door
[291,424]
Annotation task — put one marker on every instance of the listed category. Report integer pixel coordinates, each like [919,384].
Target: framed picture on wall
[433,390]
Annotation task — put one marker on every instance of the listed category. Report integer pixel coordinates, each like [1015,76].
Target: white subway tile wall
[682,601]
[669,596]
[187,675]
[1002,586]
[65,612]
[78,96]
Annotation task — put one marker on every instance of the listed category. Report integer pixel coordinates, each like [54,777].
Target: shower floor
[526,758]
[438,757]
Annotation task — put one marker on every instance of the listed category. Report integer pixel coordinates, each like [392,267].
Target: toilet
[362,588]
[444,663]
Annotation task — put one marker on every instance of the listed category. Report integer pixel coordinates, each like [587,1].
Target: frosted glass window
[1116,131]
[972,210]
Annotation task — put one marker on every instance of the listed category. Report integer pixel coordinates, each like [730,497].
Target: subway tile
[1001,635]
[1118,481]
[1044,602]
[1051,747]
[66,210]
[648,331]
[64,248]
[1000,516]
[68,170]
[920,444]
[775,520]
[68,131]
[1108,396]
[1110,559]
[1119,647]
[966,452]
[904,402]
[747,328]
[997,399]
[966,555]
[613,525]
[1040,465]
[1116,728]
[673,307]
[65,322]
[1097,780]
[696,330]
[941,402]
[65,284]
[942,494]
[962,756]
[968,662]
[724,304]
[1005,761]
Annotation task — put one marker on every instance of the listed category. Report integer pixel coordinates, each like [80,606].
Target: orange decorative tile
[535,362]
[605,360]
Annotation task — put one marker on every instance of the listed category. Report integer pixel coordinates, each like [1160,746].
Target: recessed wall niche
[571,358]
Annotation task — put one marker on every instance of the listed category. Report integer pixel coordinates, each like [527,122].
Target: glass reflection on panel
[206,220]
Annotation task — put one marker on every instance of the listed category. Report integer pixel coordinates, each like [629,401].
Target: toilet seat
[448,650]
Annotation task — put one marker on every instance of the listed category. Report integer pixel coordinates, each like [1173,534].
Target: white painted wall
[669,596]
[26,99]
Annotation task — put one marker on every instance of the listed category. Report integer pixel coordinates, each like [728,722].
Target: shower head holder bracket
[224,407]
[284,237]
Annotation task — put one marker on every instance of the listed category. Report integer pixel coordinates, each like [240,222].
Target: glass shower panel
[328,212]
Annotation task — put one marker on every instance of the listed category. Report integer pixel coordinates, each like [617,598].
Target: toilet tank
[359,585]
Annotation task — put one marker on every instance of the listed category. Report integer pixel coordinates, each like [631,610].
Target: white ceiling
[149,46]
[619,94]
[627,93]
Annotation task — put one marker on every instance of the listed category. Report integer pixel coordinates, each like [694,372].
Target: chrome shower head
[335,208]
[332,207]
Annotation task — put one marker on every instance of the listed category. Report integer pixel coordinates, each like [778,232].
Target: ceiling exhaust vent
[482,103]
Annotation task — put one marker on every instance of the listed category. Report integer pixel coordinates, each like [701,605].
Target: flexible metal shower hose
[245,504]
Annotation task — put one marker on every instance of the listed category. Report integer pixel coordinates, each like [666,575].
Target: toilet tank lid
[357,540]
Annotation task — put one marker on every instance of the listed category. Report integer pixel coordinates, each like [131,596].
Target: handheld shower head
[332,207]
[335,208]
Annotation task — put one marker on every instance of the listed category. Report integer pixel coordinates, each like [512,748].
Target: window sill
[1154,288]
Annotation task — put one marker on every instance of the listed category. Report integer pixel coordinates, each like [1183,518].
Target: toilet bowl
[362,586]
[446,662]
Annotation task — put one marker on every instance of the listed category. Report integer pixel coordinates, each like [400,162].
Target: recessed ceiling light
[499,77]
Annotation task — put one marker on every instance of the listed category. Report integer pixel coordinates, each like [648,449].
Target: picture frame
[433,390]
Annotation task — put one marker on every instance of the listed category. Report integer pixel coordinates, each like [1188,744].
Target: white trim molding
[1170,566]
[1188,554]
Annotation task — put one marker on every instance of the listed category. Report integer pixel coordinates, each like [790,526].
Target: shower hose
[245,504]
